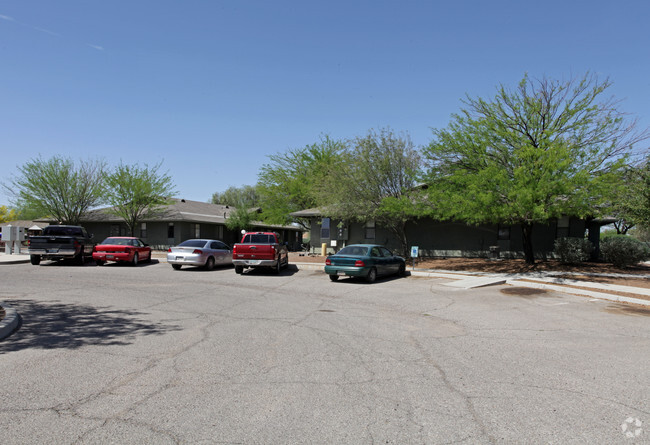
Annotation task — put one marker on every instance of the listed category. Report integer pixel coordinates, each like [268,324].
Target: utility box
[8,233]
[20,234]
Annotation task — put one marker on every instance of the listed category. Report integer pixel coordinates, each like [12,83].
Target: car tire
[135,260]
[372,275]
[80,259]
[239,269]
[278,266]
[402,270]
[99,262]
[334,277]
[209,265]
[176,266]
[35,259]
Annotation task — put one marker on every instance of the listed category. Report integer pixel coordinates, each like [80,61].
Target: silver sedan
[205,253]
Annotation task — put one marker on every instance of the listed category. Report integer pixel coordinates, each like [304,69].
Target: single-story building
[448,238]
[181,220]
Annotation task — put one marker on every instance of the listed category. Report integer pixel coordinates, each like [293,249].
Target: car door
[378,260]
[392,264]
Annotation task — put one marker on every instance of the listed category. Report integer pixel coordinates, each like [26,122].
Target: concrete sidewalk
[22,257]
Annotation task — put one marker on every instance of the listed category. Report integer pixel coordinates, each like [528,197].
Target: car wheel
[99,262]
[239,269]
[402,270]
[372,275]
[176,266]
[80,259]
[35,259]
[134,262]
[334,277]
[209,265]
[278,265]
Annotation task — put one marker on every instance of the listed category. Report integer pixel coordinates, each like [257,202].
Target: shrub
[623,251]
[573,250]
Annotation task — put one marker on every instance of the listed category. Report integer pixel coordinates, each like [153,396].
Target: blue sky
[212,88]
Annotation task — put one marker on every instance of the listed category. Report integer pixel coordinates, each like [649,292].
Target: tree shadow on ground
[70,326]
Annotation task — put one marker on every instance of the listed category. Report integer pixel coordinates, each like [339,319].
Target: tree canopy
[291,181]
[377,182]
[137,192]
[541,151]
[58,187]
[246,196]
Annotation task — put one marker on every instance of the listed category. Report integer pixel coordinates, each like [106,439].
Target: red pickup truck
[260,249]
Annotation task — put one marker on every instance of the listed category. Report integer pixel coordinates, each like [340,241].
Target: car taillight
[197,252]
[359,263]
[328,262]
[169,250]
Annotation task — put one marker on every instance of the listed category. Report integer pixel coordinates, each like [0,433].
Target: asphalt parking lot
[151,355]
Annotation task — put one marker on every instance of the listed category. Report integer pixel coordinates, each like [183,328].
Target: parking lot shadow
[61,325]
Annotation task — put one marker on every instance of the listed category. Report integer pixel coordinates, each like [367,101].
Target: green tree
[239,219]
[291,181]
[7,214]
[136,193]
[377,182]
[246,195]
[631,203]
[544,150]
[59,188]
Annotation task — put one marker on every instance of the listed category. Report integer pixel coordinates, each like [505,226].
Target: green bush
[573,250]
[623,251]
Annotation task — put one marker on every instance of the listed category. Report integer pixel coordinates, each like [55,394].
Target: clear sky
[213,87]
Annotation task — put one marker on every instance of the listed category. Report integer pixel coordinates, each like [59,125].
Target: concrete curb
[14,259]
[573,291]
[10,322]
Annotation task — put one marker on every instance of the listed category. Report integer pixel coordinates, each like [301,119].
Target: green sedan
[364,260]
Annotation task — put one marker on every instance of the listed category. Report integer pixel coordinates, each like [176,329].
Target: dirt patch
[628,309]
[526,292]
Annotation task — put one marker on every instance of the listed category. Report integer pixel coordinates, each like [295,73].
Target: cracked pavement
[124,355]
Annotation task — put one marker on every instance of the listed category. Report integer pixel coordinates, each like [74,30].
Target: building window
[562,230]
[143,230]
[503,233]
[196,229]
[170,230]
[220,232]
[325,228]
[370,230]
[115,230]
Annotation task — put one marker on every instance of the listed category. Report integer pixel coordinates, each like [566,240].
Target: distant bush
[573,250]
[623,251]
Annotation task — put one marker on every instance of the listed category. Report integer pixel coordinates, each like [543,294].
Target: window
[115,230]
[503,233]
[375,252]
[143,230]
[370,230]
[196,230]
[170,230]
[562,230]
[325,229]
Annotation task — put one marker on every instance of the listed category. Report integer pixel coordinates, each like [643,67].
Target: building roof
[26,223]
[307,213]
[181,210]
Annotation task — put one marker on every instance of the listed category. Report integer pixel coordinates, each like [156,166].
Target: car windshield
[118,241]
[192,243]
[354,251]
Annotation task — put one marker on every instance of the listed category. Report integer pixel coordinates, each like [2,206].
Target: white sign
[415,251]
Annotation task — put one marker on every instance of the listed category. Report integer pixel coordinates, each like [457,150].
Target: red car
[122,248]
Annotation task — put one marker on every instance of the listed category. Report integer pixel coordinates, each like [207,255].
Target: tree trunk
[527,236]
